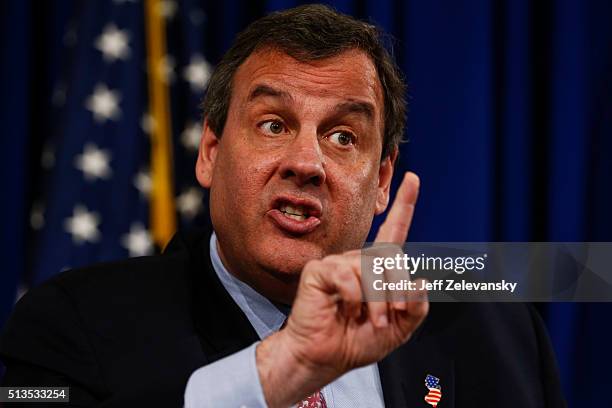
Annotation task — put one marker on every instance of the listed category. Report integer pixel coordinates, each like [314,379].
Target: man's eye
[341,138]
[273,126]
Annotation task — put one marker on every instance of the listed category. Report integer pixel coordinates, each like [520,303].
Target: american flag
[435,390]
[98,175]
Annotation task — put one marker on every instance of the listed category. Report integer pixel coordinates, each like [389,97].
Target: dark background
[510,130]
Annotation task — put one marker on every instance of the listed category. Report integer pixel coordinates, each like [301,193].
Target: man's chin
[284,256]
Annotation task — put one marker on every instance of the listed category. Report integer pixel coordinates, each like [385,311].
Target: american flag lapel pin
[434,395]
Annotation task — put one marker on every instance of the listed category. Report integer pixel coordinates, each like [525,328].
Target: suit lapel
[221,325]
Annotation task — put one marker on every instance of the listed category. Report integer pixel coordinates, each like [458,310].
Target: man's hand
[330,330]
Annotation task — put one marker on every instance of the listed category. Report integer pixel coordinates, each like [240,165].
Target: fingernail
[399,305]
[382,321]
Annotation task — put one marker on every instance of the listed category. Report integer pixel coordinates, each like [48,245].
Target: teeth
[291,210]
[295,217]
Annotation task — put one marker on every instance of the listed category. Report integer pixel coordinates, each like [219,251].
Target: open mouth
[298,212]
[296,215]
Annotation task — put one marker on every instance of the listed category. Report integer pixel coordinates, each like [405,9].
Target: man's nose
[303,161]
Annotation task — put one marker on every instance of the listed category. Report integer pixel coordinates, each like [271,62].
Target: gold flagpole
[162,212]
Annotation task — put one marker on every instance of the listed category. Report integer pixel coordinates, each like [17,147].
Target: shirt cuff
[230,382]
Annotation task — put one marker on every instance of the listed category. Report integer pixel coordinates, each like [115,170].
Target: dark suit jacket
[130,333]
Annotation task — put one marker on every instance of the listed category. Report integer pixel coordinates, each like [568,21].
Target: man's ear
[209,143]
[385,174]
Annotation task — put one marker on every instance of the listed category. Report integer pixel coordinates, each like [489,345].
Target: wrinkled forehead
[350,75]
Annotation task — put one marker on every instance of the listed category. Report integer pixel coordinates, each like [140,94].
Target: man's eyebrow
[343,108]
[267,90]
[354,106]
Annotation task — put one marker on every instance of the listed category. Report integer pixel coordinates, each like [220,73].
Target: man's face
[296,174]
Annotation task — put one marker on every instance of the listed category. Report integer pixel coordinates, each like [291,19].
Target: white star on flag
[166,69]
[138,241]
[93,162]
[189,202]
[83,225]
[37,216]
[113,43]
[197,73]
[190,137]
[142,182]
[167,8]
[104,103]
[147,123]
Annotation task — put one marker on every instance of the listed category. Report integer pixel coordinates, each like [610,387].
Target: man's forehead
[348,105]
[271,72]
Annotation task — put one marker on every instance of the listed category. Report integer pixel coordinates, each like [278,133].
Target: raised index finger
[395,228]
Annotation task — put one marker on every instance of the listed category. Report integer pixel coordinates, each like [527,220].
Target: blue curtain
[510,129]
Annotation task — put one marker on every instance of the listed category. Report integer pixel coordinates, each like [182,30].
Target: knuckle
[344,273]
[312,266]
[333,259]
